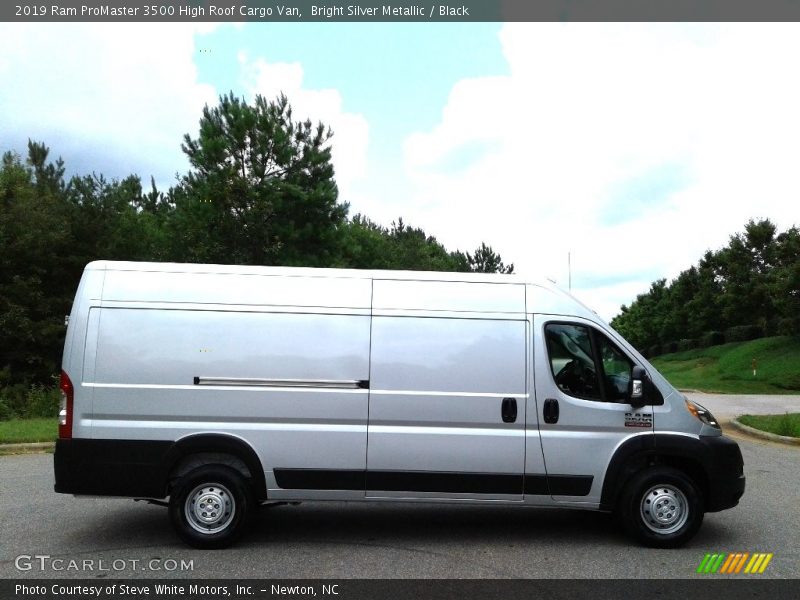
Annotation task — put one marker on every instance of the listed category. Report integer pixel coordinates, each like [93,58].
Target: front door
[582,396]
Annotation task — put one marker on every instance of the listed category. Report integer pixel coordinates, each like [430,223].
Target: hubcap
[664,509]
[210,508]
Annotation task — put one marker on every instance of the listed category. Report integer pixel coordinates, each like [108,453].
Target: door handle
[508,410]
[550,410]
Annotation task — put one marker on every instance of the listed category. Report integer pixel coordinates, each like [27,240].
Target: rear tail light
[65,408]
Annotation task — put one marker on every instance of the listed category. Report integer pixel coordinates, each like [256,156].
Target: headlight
[702,413]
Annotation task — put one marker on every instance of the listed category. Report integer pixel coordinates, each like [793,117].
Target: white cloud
[589,108]
[118,98]
[123,93]
[351,130]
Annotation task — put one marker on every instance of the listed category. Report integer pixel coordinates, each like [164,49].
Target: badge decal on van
[643,420]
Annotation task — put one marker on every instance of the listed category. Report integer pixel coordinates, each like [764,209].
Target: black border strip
[441,589]
[262,11]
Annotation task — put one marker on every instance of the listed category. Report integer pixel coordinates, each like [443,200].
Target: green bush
[743,333]
[14,397]
[687,344]
[788,326]
[42,401]
[712,338]
[5,411]
[23,402]
[654,350]
[671,347]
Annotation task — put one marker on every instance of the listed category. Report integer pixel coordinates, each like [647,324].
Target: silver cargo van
[225,387]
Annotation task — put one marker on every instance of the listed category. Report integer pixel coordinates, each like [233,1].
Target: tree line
[748,289]
[260,191]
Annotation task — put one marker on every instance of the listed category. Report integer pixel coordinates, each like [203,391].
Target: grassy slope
[728,368]
[28,430]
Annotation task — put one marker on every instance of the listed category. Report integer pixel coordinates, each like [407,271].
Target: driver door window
[581,358]
[616,370]
[570,350]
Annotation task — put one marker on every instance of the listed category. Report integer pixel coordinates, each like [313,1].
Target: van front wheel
[661,507]
[209,506]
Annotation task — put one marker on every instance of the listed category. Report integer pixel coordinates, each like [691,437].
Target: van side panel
[171,347]
[146,388]
[457,296]
[237,289]
[438,386]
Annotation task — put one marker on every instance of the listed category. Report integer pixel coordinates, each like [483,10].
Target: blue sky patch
[631,198]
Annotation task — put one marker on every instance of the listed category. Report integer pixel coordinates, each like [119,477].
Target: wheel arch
[215,444]
[682,452]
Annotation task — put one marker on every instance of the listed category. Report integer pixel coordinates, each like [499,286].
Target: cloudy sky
[633,147]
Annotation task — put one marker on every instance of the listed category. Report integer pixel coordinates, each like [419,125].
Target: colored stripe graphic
[717,563]
[755,564]
[728,563]
[766,562]
[734,562]
[703,563]
[741,561]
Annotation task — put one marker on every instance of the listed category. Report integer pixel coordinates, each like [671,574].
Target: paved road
[728,406]
[391,540]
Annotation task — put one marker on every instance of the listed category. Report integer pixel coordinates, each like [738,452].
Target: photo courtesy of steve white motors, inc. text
[170,589]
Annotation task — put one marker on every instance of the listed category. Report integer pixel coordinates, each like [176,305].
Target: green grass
[28,430]
[728,368]
[786,424]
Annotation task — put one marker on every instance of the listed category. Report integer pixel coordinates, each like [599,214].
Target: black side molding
[570,485]
[320,479]
[433,481]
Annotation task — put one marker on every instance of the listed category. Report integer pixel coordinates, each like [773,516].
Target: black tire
[661,507]
[226,500]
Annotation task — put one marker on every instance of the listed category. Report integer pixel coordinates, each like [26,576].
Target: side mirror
[637,389]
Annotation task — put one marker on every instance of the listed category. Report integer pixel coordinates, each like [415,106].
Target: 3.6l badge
[643,420]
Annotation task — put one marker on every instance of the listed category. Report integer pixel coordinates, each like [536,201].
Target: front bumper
[725,471]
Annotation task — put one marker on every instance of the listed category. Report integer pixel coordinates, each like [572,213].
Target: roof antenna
[569,269]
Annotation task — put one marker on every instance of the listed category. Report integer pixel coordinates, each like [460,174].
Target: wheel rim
[664,509]
[210,508]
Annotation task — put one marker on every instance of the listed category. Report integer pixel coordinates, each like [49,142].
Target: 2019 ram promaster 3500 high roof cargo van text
[223,387]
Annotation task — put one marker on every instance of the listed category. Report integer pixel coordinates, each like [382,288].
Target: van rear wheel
[210,505]
[661,507]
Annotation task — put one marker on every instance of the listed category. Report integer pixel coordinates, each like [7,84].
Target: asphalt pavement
[94,537]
